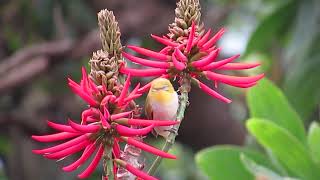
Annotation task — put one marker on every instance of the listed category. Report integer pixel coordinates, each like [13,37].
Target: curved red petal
[143,72]
[55,137]
[146,62]
[126,131]
[93,165]
[84,157]
[149,53]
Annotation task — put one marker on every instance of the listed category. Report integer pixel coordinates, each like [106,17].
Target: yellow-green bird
[162,104]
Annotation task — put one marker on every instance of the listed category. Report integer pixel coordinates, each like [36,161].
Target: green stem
[183,98]
[108,163]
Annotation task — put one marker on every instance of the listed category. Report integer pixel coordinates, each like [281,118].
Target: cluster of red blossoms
[109,118]
[104,124]
[194,55]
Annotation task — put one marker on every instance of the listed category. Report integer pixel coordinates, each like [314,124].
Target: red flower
[195,55]
[104,124]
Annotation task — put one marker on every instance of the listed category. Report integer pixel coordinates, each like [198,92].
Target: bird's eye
[165,88]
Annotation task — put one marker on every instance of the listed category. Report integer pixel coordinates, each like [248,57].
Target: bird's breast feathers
[165,109]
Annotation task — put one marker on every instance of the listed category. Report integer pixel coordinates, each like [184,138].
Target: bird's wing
[149,113]
[148,109]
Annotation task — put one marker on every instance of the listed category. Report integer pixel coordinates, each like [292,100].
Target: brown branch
[21,56]
[31,61]
[30,127]
[21,74]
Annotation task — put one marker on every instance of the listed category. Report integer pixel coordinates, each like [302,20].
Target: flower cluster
[104,124]
[112,117]
[195,55]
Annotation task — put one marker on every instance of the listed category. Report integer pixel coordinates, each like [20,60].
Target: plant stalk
[185,86]
[108,163]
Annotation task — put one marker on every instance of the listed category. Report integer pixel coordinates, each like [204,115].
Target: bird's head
[161,84]
[161,90]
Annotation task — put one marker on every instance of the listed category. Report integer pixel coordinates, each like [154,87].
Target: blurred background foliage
[44,41]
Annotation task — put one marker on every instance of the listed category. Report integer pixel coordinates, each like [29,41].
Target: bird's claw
[173,130]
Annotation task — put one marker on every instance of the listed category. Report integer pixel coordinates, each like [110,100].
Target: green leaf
[5,145]
[314,140]
[271,27]
[267,101]
[285,146]
[261,172]
[223,162]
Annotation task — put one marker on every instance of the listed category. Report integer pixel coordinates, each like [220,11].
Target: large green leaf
[223,162]
[314,140]
[292,153]
[271,27]
[261,172]
[267,101]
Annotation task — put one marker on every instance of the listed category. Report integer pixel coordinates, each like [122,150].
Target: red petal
[139,173]
[213,40]
[55,137]
[86,97]
[61,127]
[131,97]
[206,60]
[191,37]
[92,166]
[61,146]
[177,64]
[126,131]
[85,80]
[87,113]
[116,149]
[84,128]
[68,151]
[165,50]
[84,157]
[143,72]
[145,88]
[232,79]
[125,89]
[213,93]
[145,62]
[143,122]
[239,66]
[180,55]
[104,119]
[149,53]
[120,115]
[244,85]
[204,39]
[218,64]
[166,42]
[148,148]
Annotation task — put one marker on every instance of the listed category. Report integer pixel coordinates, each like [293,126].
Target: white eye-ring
[165,88]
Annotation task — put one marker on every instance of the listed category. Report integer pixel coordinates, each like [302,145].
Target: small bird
[162,104]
